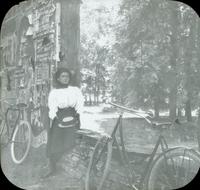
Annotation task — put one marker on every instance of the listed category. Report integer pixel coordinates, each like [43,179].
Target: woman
[65,104]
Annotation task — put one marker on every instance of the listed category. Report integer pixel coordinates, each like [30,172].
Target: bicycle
[17,133]
[169,168]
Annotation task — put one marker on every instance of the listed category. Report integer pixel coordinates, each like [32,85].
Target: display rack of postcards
[8,63]
[19,77]
[8,44]
[43,18]
[20,74]
[27,76]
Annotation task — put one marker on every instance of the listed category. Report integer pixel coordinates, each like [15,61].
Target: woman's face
[64,78]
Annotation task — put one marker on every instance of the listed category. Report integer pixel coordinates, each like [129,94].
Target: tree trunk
[188,111]
[70,37]
[179,113]
[98,94]
[198,129]
[173,92]
[172,104]
[90,98]
[94,100]
[156,109]
[173,61]
[198,58]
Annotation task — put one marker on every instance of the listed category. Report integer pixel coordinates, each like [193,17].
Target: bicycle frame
[6,124]
[161,142]
[16,121]
[153,161]
[164,147]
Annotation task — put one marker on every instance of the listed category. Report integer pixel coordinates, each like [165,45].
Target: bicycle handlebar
[18,106]
[4,100]
[136,112]
[129,109]
[144,115]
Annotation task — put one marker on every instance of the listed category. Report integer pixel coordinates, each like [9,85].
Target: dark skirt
[60,140]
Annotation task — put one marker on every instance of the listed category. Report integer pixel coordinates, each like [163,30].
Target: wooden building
[37,37]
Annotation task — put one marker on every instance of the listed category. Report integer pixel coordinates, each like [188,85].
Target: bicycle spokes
[21,142]
[99,166]
[174,170]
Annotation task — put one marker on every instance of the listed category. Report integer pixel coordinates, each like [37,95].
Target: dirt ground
[138,135]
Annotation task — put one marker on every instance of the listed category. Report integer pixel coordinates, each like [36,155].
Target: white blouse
[63,98]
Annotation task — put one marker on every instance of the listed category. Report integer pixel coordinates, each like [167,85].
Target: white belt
[66,119]
[65,126]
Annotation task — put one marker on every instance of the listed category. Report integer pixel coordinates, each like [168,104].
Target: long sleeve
[52,104]
[80,102]
[79,105]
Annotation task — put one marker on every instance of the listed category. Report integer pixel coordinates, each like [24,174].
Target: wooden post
[70,37]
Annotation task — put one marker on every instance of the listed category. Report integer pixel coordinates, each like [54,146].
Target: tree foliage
[148,52]
[158,41]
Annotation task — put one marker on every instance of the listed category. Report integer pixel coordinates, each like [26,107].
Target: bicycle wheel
[173,169]
[99,165]
[3,134]
[21,141]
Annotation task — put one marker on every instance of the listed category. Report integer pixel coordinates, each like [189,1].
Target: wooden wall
[37,36]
